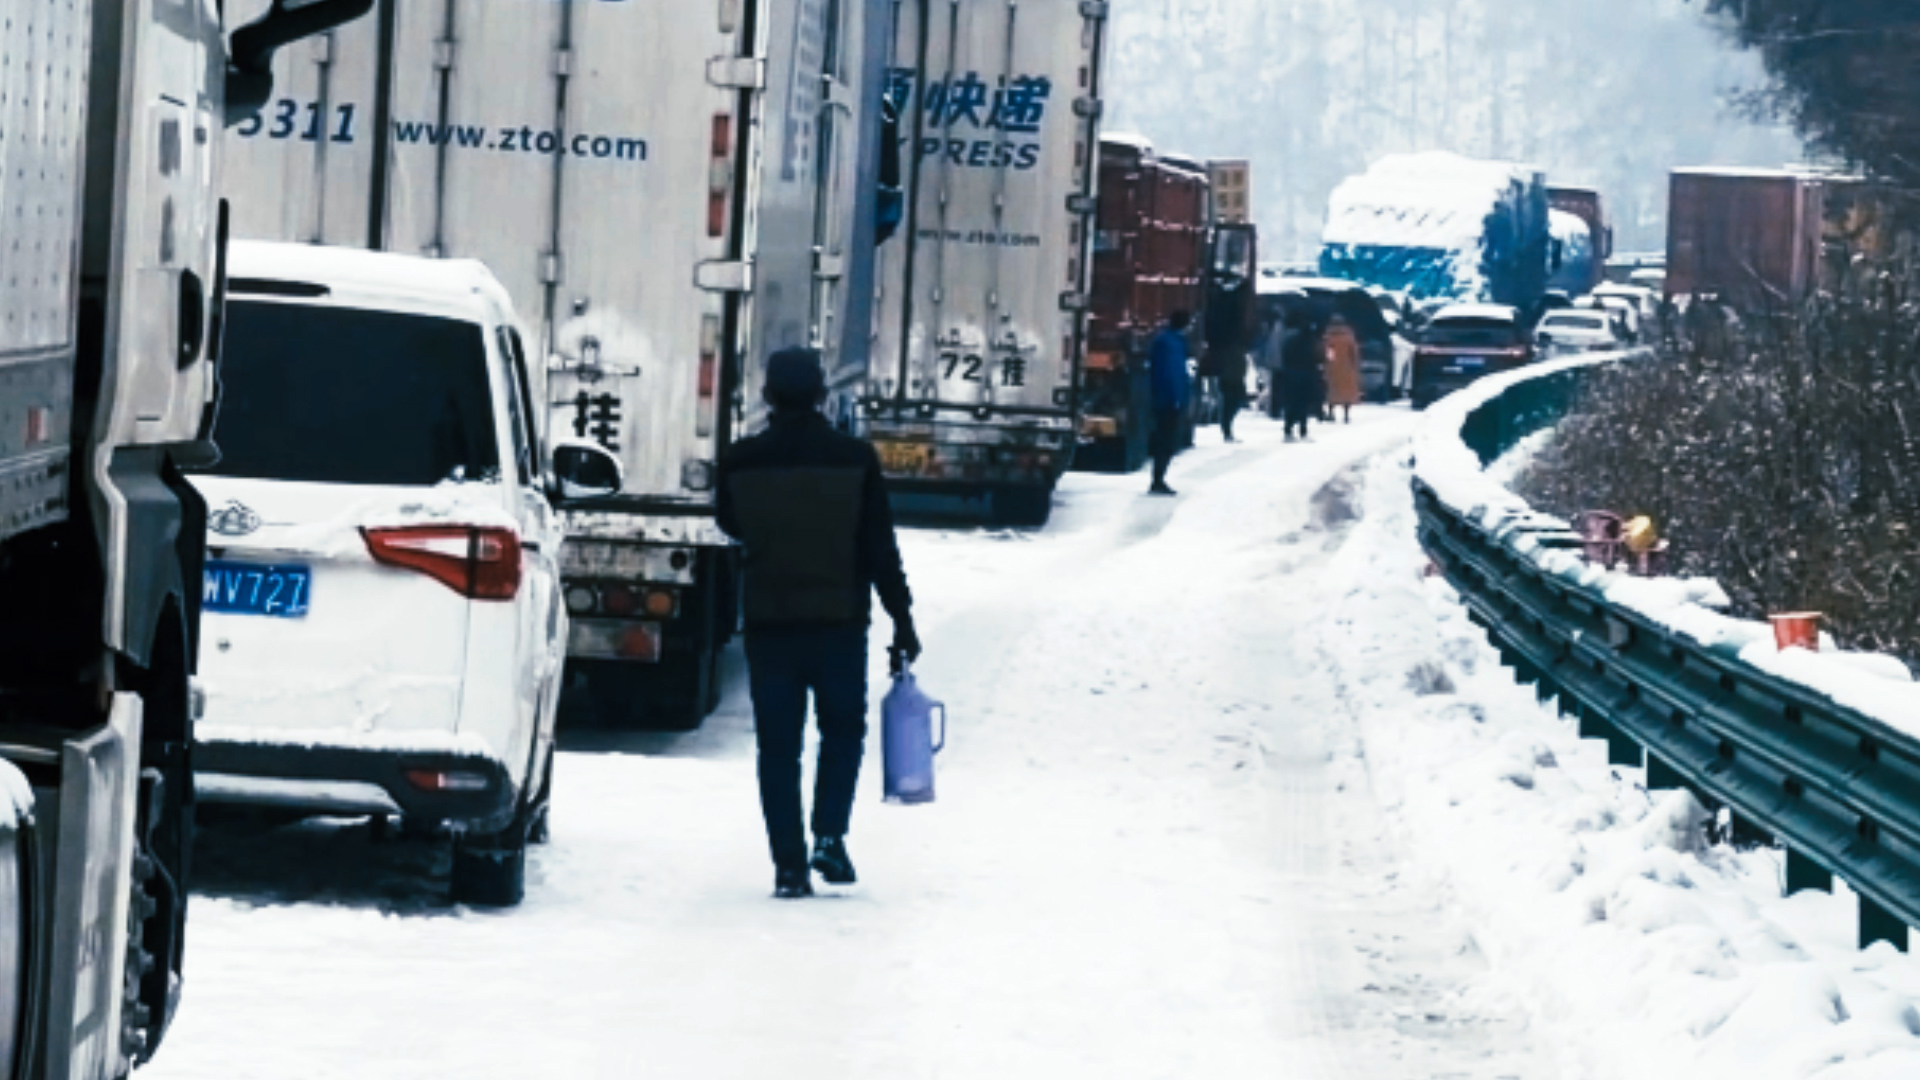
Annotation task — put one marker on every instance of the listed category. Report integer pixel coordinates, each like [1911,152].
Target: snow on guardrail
[1875,685]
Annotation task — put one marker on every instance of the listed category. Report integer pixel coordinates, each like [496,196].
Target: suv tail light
[479,563]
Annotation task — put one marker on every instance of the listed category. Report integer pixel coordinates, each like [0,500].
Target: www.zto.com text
[306,121]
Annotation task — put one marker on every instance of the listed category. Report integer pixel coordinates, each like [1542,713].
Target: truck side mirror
[584,470]
[250,65]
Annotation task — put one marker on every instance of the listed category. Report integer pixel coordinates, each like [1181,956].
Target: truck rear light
[581,600]
[434,780]
[619,601]
[598,639]
[719,177]
[640,641]
[709,376]
[39,425]
[476,562]
[662,603]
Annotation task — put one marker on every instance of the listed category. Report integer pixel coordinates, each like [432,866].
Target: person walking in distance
[1229,335]
[1300,377]
[1343,369]
[809,505]
[1167,360]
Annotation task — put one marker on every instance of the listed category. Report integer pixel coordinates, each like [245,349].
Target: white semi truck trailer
[111,245]
[674,190]
[981,322]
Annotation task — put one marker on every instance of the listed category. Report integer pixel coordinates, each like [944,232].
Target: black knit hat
[795,379]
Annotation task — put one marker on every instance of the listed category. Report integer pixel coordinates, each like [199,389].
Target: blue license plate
[281,592]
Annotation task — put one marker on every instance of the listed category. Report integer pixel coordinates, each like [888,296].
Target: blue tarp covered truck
[1440,226]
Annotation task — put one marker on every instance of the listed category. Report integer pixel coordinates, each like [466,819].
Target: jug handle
[941,743]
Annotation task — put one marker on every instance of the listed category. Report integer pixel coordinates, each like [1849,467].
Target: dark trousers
[1233,398]
[1300,394]
[783,667]
[1166,436]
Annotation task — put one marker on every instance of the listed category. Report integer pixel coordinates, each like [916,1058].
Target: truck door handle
[193,318]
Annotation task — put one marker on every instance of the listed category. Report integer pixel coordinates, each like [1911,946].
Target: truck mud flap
[92,861]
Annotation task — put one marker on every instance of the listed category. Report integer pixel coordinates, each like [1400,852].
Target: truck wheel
[1023,507]
[491,871]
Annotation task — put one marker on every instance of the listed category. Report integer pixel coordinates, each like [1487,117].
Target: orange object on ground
[1797,630]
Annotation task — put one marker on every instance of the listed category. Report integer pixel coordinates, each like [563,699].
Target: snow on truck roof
[1567,226]
[1433,200]
[1745,173]
[1270,284]
[459,288]
[1129,140]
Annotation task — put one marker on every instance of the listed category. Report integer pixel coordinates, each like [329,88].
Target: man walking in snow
[1229,335]
[1299,384]
[809,505]
[1167,369]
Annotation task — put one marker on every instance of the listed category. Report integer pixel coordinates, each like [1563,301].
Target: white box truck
[981,317]
[110,302]
[673,191]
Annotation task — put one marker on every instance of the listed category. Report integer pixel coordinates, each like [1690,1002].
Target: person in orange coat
[1343,367]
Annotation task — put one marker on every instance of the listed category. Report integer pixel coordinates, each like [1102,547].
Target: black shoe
[1161,489]
[830,858]
[792,884]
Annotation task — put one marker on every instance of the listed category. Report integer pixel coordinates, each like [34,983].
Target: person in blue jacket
[1167,360]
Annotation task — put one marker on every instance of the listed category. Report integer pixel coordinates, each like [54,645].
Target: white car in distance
[383,632]
[1571,331]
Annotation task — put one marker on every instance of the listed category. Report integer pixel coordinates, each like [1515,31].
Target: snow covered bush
[1779,456]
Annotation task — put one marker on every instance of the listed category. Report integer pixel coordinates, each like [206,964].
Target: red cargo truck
[1586,204]
[1749,237]
[1150,251]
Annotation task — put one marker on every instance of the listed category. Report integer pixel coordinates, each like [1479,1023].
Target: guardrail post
[1621,750]
[1879,924]
[1803,874]
[1662,776]
[1744,833]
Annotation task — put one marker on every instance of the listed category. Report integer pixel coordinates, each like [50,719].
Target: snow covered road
[1141,864]
[1212,807]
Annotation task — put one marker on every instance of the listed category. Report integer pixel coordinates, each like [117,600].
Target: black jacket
[810,506]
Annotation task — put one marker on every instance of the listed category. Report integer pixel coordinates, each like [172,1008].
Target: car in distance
[1645,302]
[1464,342]
[1575,331]
[383,632]
[1623,311]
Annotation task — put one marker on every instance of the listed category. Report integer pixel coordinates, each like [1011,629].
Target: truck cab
[109,341]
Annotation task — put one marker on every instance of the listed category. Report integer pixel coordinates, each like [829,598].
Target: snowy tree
[1843,74]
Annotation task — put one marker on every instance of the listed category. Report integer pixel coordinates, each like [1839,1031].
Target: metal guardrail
[1839,790]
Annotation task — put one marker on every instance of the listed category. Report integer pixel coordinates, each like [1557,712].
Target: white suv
[383,632]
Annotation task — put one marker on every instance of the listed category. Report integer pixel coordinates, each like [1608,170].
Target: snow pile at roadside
[1646,952]
[1874,684]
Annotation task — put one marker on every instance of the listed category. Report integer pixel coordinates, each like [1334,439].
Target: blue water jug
[907,740]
